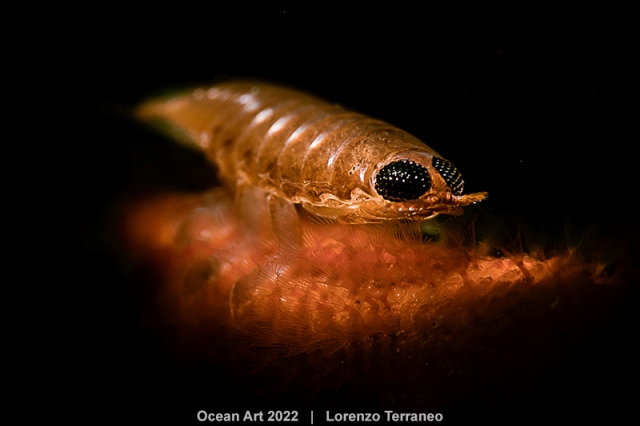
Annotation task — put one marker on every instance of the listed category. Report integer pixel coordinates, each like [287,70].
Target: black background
[533,105]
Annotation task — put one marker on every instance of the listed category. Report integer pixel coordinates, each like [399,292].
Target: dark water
[532,107]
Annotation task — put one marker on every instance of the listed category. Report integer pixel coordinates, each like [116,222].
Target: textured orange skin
[404,322]
[303,150]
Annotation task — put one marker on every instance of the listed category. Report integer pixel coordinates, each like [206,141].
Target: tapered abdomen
[307,151]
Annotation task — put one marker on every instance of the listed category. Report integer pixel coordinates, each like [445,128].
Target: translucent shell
[335,163]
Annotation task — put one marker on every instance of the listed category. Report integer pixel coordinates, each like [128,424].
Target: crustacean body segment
[335,163]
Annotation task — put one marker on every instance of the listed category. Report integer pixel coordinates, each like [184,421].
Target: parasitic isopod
[291,146]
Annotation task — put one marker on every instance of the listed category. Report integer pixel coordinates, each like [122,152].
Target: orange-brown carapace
[337,164]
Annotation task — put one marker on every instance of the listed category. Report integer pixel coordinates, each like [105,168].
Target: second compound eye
[450,174]
[402,180]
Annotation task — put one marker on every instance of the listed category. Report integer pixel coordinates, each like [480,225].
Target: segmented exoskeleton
[335,163]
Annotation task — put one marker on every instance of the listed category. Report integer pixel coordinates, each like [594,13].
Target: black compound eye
[402,180]
[450,174]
